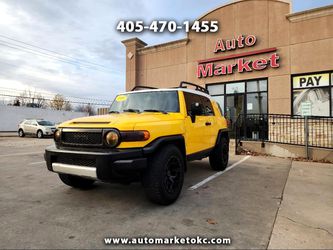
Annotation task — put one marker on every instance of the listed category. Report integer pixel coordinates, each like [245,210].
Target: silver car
[39,128]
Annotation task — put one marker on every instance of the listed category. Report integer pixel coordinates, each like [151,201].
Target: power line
[2,89]
[26,49]
[28,78]
[18,93]
[48,99]
[46,93]
[21,66]
[37,95]
[43,92]
[54,52]
[24,67]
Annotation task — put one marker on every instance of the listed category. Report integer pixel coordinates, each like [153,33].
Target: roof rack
[197,87]
[138,87]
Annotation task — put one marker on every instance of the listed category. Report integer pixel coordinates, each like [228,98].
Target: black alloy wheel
[164,177]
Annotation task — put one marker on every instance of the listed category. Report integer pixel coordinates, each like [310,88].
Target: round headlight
[112,138]
[57,135]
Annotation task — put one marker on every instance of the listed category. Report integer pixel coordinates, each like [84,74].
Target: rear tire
[76,181]
[219,157]
[21,133]
[39,134]
[163,180]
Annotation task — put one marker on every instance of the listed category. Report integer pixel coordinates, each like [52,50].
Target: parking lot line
[16,154]
[218,174]
[36,163]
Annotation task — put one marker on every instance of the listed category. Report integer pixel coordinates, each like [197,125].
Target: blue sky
[83,34]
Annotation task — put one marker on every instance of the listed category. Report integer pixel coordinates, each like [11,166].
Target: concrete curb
[8,134]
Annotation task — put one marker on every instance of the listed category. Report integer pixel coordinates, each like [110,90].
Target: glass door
[234,107]
[248,98]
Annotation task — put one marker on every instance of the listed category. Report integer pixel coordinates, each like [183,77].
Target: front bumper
[105,166]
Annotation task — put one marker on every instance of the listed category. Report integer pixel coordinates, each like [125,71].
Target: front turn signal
[135,135]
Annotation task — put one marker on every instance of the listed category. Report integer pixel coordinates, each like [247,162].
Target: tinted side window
[204,101]
[189,99]
[207,106]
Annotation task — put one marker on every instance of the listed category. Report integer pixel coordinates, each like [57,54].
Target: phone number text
[167,26]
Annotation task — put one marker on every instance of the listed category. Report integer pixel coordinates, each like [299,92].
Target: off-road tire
[219,157]
[21,133]
[164,177]
[39,134]
[76,181]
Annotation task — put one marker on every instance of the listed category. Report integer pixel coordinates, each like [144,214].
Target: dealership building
[264,59]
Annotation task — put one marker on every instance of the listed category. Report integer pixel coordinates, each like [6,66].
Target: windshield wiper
[132,110]
[155,110]
[113,112]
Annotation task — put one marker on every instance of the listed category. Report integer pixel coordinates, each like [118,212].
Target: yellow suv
[148,136]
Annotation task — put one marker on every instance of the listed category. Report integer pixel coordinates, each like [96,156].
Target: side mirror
[196,109]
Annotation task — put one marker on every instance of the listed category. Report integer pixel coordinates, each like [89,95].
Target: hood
[122,121]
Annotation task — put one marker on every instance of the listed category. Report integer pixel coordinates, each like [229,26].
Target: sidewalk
[305,217]
[8,134]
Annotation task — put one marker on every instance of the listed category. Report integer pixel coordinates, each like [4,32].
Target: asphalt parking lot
[38,211]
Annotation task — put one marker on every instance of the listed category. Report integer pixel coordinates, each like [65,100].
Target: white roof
[171,89]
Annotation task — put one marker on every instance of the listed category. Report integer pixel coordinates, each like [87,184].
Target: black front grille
[76,161]
[82,138]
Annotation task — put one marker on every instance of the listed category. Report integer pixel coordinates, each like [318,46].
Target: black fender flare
[156,144]
[223,133]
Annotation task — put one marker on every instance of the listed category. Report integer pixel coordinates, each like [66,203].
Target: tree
[40,100]
[80,108]
[68,106]
[90,109]
[86,108]
[31,99]
[24,96]
[58,102]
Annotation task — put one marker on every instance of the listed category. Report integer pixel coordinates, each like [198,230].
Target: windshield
[154,101]
[45,123]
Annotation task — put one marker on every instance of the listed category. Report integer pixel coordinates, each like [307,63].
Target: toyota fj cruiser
[148,135]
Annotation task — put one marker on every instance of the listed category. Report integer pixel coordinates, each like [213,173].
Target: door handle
[208,123]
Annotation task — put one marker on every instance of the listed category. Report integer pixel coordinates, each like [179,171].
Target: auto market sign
[214,67]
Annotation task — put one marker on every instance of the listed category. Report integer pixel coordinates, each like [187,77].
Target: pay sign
[311,81]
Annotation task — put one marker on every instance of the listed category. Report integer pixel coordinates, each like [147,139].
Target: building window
[242,98]
[256,86]
[236,97]
[314,89]
[216,89]
[256,103]
[235,88]
[220,101]
[332,100]
[331,94]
